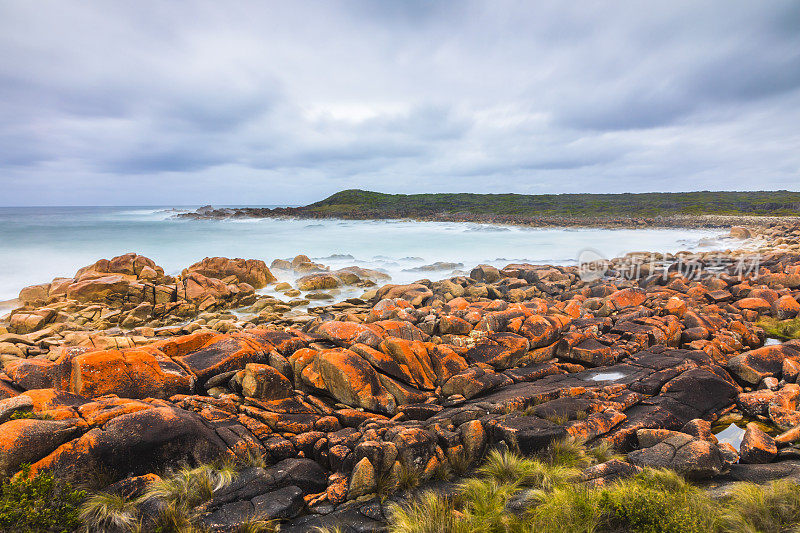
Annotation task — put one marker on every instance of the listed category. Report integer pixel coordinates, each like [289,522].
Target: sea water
[40,243]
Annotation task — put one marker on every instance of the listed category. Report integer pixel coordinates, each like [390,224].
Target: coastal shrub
[39,503]
[752,508]
[257,525]
[482,506]
[408,477]
[657,501]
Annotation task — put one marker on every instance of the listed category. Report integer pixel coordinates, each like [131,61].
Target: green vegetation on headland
[645,204]
[533,209]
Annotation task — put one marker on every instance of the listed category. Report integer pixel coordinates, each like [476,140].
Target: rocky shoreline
[620,222]
[123,372]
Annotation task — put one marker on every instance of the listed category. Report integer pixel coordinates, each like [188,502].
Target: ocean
[40,243]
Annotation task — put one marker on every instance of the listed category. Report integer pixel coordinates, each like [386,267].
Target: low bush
[39,503]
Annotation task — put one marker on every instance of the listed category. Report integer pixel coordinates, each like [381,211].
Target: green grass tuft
[103,511]
[775,507]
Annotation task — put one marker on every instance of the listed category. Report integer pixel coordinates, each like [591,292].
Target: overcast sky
[153,103]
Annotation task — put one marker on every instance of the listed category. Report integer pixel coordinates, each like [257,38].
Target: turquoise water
[40,243]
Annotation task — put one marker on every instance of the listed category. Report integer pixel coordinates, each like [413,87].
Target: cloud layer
[238,102]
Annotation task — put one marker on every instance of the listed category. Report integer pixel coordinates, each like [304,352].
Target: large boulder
[351,380]
[264,382]
[130,264]
[135,373]
[753,366]
[107,289]
[136,443]
[690,456]
[315,282]
[254,272]
[28,440]
[757,447]
[224,353]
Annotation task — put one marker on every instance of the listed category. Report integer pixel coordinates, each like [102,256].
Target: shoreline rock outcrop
[409,378]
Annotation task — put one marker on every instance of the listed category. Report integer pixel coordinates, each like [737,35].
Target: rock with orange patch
[473,381]
[390,309]
[452,325]
[414,356]
[758,305]
[284,342]
[128,373]
[751,367]
[351,380]
[28,440]
[446,362]
[500,350]
[785,307]
[223,353]
[348,333]
[100,411]
[251,271]
[622,299]
[414,293]
[539,331]
[400,329]
[263,381]
[185,344]
[134,444]
[675,306]
[32,373]
[384,363]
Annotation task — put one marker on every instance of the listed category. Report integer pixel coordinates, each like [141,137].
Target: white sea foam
[38,244]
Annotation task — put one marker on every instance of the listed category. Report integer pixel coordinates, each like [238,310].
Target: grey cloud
[301,99]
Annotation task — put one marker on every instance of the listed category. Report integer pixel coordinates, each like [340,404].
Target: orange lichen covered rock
[28,440]
[263,381]
[384,363]
[626,298]
[539,331]
[223,353]
[751,367]
[759,305]
[348,333]
[785,307]
[500,350]
[446,362]
[351,380]
[254,272]
[414,356]
[133,444]
[128,373]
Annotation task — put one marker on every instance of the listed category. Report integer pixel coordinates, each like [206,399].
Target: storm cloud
[190,102]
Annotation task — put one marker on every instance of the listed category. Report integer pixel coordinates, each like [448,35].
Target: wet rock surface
[408,378]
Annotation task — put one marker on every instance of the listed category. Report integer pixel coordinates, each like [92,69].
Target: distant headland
[681,209]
